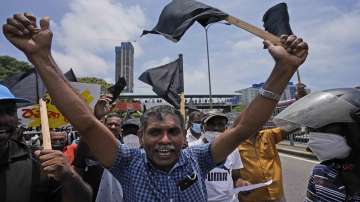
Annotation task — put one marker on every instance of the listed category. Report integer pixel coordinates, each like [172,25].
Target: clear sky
[87,31]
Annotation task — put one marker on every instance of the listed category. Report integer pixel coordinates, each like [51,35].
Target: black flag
[276,20]
[166,80]
[179,15]
[70,76]
[116,89]
[29,85]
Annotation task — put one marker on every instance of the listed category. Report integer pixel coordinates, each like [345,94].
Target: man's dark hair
[159,112]
[193,114]
[112,114]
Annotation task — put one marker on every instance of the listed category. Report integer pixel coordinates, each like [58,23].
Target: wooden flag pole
[298,76]
[258,32]
[182,94]
[182,105]
[45,125]
[254,30]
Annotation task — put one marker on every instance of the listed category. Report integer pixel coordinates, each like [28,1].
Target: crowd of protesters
[158,158]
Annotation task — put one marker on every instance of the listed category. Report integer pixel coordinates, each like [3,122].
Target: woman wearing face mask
[333,119]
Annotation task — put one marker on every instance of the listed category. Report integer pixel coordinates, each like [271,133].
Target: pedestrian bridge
[219,101]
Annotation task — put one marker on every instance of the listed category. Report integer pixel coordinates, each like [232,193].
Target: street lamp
[208,59]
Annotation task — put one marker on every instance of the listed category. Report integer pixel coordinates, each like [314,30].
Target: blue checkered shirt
[142,182]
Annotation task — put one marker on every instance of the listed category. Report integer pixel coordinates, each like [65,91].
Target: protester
[32,140]
[162,171]
[20,176]
[59,142]
[113,121]
[105,187]
[300,91]
[262,163]
[110,189]
[220,180]
[88,167]
[334,137]
[130,129]
[102,106]
[194,126]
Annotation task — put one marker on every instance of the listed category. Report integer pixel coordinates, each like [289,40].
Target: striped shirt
[142,182]
[325,187]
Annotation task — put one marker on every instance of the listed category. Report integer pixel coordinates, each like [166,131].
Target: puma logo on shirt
[217,176]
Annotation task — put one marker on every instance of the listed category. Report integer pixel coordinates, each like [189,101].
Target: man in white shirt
[194,126]
[220,180]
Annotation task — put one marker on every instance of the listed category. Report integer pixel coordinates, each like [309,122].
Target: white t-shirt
[189,137]
[219,180]
[110,189]
[132,141]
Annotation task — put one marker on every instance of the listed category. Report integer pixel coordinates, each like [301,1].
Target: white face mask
[328,146]
[196,128]
[210,135]
[132,141]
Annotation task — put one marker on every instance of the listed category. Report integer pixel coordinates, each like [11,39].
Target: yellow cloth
[262,163]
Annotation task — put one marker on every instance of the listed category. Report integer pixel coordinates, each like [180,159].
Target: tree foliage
[10,66]
[239,108]
[104,85]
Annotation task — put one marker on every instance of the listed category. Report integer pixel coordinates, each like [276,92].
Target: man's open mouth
[164,152]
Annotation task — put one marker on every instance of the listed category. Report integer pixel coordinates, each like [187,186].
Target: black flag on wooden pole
[167,81]
[276,20]
[116,89]
[179,15]
[29,85]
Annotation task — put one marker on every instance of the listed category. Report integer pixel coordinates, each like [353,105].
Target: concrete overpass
[201,101]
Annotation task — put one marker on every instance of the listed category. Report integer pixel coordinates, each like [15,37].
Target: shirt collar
[15,150]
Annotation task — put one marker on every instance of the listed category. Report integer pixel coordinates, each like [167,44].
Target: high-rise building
[124,64]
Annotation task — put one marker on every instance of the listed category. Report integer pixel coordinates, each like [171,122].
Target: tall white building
[124,64]
[248,94]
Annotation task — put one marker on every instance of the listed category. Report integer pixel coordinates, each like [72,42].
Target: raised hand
[54,164]
[102,106]
[288,53]
[21,30]
[240,183]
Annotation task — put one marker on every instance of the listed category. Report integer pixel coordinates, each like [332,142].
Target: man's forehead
[167,121]
[113,118]
[198,117]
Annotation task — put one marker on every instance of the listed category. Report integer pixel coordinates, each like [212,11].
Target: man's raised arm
[21,30]
[260,109]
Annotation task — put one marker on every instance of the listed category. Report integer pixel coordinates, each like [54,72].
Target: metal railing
[297,137]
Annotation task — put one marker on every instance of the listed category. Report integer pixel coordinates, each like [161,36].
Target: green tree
[104,85]
[10,66]
[239,108]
